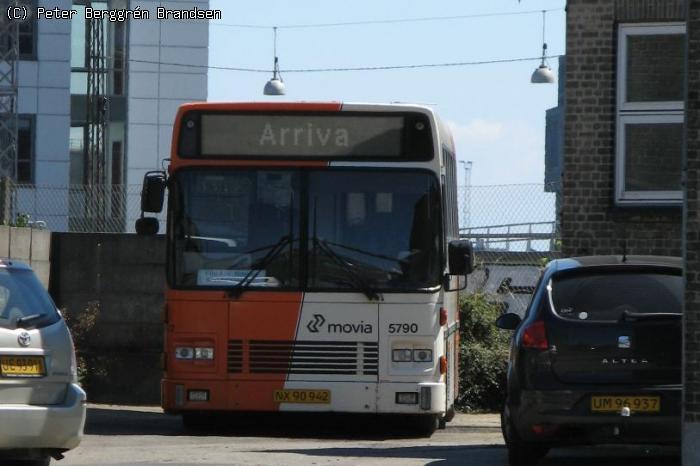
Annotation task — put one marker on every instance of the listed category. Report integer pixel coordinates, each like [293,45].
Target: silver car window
[21,295]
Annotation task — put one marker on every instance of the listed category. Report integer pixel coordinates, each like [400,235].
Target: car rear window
[605,296]
[22,295]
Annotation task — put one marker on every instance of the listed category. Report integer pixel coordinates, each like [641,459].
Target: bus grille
[235,356]
[306,357]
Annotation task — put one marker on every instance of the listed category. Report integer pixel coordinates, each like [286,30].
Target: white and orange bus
[313,260]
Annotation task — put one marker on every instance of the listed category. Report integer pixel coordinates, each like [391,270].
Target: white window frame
[642,112]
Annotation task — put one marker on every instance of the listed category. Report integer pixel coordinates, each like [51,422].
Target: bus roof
[303,106]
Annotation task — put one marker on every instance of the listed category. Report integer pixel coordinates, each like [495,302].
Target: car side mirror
[460,257]
[153,191]
[147,226]
[508,321]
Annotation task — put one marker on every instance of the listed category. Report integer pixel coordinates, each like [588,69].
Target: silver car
[42,407]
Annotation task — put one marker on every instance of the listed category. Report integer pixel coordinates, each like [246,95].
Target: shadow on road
[464,455]
[124,422]
[102,421]
[487,455]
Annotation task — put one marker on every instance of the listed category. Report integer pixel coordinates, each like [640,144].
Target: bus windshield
[330,229]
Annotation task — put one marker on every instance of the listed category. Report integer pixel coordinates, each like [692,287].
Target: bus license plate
[22,366]
[636,404]
[302,396]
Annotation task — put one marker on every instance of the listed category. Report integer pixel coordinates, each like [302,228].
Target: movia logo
[318,321]
[316,324]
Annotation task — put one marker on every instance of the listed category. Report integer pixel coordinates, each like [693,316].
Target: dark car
[597,356]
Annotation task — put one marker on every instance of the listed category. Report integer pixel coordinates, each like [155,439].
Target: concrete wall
[592,223]
[691,430]
[30,246]
[125,276]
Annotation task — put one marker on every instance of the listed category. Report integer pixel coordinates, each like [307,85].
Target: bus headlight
[204,353]
[423,355]
[184,352]
[401,355]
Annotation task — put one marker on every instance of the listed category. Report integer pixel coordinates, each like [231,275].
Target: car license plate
[22,366]
[636,404]
[302,396]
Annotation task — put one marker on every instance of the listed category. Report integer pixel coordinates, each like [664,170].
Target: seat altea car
[42,408]
[597,357]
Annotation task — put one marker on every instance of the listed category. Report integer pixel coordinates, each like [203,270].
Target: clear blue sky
[497,115]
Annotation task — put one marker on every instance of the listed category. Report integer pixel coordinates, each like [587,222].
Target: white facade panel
[28,73]
[54,74]
[51,140]
[54,101]
[165,137]
[144,31]
[62,26]
[186,33]
[27,100]
[191,55]
[51,173]
[143,111]
[53,47]
[143,147]
[168,108]
[182,85]
[143,85]
[144,52]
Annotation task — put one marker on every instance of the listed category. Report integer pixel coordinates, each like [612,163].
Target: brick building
[616,192]
[626,148]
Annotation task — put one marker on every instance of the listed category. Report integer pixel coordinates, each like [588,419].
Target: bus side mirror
[460,256]
[147,226]
[153,191]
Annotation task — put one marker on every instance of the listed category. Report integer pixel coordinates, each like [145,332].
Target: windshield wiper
[349,269]
[275,250]
[636,316]
[23,321]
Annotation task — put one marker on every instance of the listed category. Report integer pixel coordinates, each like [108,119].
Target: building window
[25,150]
[650,112]
[27,31]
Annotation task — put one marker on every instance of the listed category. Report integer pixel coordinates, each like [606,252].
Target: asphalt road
[144,436]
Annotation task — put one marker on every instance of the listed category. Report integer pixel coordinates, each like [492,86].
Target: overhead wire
[343,69]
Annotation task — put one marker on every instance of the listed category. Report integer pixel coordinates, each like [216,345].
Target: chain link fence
[515,232]
[76,208]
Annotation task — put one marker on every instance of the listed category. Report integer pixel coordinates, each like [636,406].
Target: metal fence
[77,208]
[515,231]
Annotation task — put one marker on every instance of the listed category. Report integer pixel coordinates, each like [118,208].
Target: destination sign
[350,136]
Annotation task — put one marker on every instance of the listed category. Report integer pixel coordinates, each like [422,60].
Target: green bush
[81,327]
[483,354]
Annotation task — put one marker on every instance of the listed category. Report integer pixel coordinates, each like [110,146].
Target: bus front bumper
[348,397]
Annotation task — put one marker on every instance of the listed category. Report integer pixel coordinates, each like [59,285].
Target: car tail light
[535,336]
[443,317]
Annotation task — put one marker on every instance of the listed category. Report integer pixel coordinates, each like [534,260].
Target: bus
[313,260]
